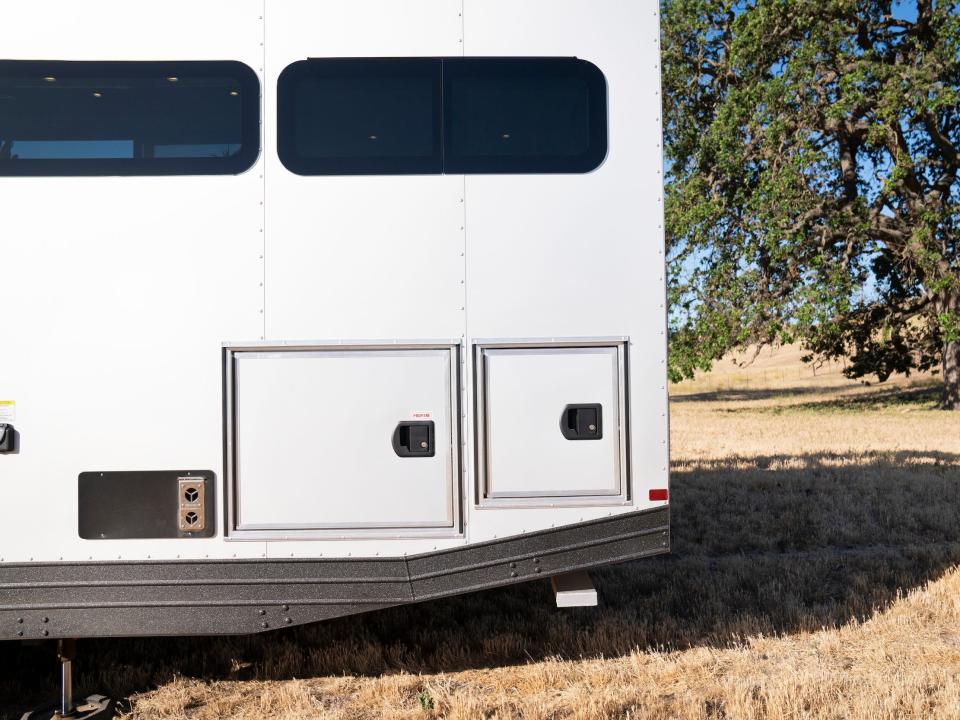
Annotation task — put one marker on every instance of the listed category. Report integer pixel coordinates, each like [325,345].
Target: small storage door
[353,440]
[552,428]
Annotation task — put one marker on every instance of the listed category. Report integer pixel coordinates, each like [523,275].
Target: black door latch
[414,439]
[582,422]
[8,438]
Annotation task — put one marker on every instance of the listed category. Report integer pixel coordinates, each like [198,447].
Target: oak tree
[812,156]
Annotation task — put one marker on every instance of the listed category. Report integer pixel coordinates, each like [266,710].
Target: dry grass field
[814,574]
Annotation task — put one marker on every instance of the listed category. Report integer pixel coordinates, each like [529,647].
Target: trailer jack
[94,707]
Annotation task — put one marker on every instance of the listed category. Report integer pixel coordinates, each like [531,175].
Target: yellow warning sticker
[8,411]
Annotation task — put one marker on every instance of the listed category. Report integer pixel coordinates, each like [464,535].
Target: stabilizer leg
[94,707]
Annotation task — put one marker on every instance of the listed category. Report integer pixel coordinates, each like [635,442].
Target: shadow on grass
[858,399]
[743,394]
[798,544]
[924,396]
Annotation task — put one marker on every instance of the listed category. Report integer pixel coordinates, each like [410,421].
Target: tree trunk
[951,376]
[950,305]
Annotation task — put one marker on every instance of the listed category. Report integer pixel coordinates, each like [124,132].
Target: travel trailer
[315,307]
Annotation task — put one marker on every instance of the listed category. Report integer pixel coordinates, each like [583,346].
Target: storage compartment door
[552,424]
[344,440]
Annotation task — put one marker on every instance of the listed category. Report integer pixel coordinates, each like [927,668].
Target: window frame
[444,161]
[239,162]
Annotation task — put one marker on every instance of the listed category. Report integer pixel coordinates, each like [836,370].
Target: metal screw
[44,620]
[287,620]
[20,621]
[513,574]
[286,607]
[261,612]
[264,625]
[513,565]
[424,444]
[45,633]
[592,428]
[538,569]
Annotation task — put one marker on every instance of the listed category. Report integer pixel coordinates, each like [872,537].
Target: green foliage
[426,702]
[812,180]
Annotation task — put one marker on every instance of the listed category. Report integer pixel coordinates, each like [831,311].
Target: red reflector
[659,494]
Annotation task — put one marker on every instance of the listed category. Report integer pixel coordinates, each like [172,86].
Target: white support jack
[95,706]
[574,589]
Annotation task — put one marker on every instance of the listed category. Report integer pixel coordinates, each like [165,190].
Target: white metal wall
[375,257]
[567,256]
[122,290]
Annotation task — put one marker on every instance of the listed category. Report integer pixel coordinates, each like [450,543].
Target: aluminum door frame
[232,532]
[481,498]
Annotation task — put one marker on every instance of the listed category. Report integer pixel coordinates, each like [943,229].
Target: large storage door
[552,426]
[343,440]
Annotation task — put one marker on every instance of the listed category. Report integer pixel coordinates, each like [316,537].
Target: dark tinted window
[434,115]
[371,117]
[128,118]
[523,115]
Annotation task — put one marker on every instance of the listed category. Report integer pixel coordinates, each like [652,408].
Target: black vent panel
[146,504]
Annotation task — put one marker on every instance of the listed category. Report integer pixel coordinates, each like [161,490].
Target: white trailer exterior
[373,388]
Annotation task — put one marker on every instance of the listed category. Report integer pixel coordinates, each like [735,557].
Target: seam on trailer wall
[263,169]
[263,185]
[466,378]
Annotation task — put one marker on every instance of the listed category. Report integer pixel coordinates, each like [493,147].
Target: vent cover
[150,504]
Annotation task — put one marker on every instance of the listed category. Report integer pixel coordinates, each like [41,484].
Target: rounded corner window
[128,118]
[386,116]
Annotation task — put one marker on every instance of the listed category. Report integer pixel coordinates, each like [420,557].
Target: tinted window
[128,118]
[371,117]
[523,115]
[434,115]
